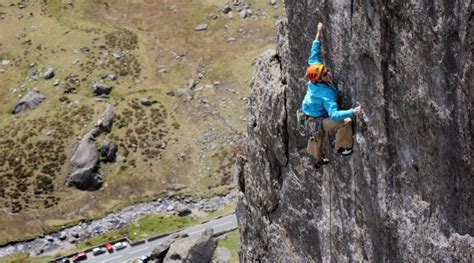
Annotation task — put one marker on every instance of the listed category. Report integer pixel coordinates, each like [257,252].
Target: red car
[79,256]
[109,247]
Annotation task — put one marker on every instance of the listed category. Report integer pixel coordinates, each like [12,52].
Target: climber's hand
[320,28]
[320,31]
[358,111]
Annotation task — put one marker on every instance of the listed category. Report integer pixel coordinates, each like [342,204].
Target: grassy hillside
[190,136]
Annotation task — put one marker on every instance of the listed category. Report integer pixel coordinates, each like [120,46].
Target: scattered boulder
[49,74]
[192,84]
[244,13]
[148,102]
[221,255]
[199,249]
[226,9]
[112,77]
[183,210]
[201,27]
[105,124]
[108,151]
[100,89]
[29,102]
[273,2]
[86,179]
[84,49]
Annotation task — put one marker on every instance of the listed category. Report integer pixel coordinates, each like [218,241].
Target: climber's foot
[323,161]
[343,151]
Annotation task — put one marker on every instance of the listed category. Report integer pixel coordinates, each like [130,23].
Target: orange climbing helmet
[314,72]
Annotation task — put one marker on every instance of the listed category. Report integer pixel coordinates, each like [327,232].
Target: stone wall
[407,191]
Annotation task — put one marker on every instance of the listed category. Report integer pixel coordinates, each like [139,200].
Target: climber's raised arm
[320,31]
[315,57]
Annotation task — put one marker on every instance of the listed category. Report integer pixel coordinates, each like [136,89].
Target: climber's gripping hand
[358,111]
[320,30]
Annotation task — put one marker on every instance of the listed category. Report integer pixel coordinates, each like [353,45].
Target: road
[129,254]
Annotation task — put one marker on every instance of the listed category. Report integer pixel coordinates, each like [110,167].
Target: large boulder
[86,178]
[198,249]
[159,253]
[105,123]
[29,102]
[85,160]
[85,156]
[85,153]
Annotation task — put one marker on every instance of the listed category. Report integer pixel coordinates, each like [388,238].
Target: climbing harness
[309,126]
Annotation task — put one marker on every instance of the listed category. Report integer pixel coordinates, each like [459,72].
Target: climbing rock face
[406,193]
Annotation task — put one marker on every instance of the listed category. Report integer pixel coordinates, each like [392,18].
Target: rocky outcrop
[105,123]
[85,156]
[86,179]
[159,252]
[198,249]
[85,153]
[406,192]
[183,248]
[29,102]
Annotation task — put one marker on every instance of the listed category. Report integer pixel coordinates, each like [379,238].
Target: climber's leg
[315,146]
[343,132]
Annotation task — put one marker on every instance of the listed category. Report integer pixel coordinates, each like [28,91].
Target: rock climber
[320,109]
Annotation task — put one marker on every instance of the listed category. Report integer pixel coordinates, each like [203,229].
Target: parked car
[80,256]
[64,260]
[120,245]
[98,250]
[144,259]
[109,247]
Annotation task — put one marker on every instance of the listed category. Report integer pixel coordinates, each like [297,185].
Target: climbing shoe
[323,161]
[343,151]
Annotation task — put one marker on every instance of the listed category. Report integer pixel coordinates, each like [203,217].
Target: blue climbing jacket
[320,99]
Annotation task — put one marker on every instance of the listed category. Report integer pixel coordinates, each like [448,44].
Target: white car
[120,245]
[144,259]
[98,250]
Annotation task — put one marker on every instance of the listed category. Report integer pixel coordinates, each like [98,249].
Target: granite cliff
[407,191]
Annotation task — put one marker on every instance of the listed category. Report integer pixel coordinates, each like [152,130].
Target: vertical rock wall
[407,191]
